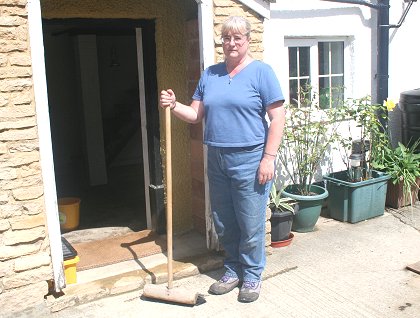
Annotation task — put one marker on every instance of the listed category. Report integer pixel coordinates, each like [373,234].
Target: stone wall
[25,262]
[225,8]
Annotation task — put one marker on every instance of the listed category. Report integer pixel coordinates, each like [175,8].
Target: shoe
[224,285]
[249,292]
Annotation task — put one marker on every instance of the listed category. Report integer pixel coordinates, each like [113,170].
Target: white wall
[309,18]
[404,52]
[358,25]
[355,24]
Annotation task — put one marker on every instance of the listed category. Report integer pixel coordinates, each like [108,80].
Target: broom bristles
[176,295]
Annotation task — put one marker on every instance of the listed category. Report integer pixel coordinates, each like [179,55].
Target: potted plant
[358,193]
[403,166]
[310,132]
[282,211]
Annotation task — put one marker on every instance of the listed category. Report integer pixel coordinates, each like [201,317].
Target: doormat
[414,267]
[118,249]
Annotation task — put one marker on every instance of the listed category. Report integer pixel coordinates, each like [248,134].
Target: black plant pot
[281,225]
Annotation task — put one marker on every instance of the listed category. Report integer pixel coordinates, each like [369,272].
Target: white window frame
[312,43]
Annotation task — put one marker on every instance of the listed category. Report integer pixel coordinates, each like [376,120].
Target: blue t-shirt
[235,108]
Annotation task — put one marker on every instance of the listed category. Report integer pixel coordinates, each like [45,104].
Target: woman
[233,98]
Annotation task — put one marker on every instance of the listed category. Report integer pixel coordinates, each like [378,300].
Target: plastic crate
[356,201]
[70,261]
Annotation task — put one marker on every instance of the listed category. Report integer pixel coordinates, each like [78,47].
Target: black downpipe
[382,75]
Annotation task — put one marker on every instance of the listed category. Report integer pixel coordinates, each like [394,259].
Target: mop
[169,293]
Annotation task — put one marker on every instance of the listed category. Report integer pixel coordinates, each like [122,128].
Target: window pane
[293,95]
[323,55]
[337,91]
[292,61]
[324,92]
[337,57]
[304,61]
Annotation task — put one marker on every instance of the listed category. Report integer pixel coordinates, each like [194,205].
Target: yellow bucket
[69,211]
[70,270]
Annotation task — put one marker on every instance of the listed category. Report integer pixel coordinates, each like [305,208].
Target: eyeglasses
[238,39]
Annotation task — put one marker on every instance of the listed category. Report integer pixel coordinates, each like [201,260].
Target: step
[89,290]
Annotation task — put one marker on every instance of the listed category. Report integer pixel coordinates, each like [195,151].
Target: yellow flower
[390,105]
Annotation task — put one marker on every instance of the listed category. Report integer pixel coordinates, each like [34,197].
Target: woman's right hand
[167,98]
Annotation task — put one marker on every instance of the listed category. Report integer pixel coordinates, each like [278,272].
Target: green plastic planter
[356,201]
[309,207]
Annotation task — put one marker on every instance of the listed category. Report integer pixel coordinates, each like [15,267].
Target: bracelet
[269,154]
[173,105]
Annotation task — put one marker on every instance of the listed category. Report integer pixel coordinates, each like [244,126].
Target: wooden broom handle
[169,193]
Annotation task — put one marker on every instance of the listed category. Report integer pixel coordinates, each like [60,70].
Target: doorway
[103,123]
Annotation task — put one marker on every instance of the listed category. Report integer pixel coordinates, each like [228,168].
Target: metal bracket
[410,3]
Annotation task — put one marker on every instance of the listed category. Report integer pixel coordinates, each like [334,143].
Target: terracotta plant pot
[395,197]
[284,242]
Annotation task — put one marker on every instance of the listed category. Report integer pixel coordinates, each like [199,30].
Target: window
[318,65]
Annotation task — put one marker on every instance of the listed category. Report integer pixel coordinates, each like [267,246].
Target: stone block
[12,21]
[25,263]
[29,277]
[34,206]
[15,2]
[7,33]
[7,46]
[3,148]
[61,303]
[25,297]
[18,124]
[22,32]
[8,173]
[19,111]
[4,198]
[31,170]
[24,146]
[3,61]
[12,11]
[19,134]
[4,225]
[16,72]
[11,252]
[27,222]
[12,85]
[126,284]
[23,236]
[6,267]
[29,193]
[20,59]
[21,98]
[10,210]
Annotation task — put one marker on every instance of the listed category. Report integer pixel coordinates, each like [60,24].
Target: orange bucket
[69,211]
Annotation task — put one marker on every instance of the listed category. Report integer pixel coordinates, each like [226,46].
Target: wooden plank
[414,267]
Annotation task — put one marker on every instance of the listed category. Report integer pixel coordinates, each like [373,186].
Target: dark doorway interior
[94,106]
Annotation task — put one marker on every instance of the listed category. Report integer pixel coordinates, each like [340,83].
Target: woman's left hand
[266,170]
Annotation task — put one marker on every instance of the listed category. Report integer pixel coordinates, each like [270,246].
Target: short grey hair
[237,25]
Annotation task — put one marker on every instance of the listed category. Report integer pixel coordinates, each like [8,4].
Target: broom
[169,293]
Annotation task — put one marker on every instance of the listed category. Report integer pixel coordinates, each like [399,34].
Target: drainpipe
[382,75]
